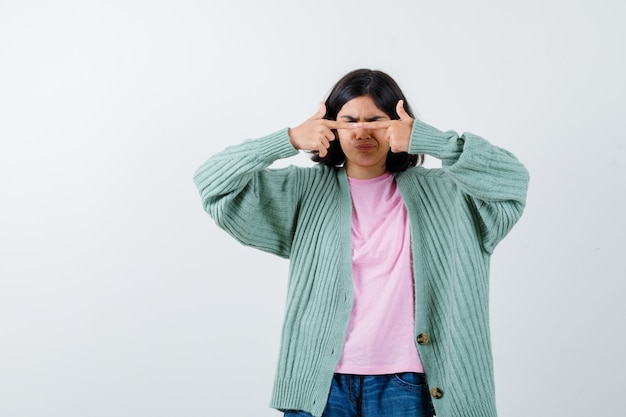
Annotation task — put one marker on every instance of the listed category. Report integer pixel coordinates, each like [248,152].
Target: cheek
[342,133]
[379,135]
[342,136]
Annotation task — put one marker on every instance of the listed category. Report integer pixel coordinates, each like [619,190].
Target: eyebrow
[354,119]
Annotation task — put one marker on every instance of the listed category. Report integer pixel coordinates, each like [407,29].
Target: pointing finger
[332,124]
[383,124]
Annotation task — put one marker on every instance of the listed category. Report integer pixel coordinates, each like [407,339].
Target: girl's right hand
[316,133]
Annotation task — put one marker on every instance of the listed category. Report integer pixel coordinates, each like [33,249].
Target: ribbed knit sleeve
[248,200]
[494,180]
[302,213]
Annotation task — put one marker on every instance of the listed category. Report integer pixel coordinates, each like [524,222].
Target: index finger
[333,124]
[383,124]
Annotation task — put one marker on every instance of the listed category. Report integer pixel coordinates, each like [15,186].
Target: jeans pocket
[411,381]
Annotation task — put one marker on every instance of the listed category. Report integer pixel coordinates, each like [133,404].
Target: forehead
[361,106]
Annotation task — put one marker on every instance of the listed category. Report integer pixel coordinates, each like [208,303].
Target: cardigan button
[436,393]
[423,339]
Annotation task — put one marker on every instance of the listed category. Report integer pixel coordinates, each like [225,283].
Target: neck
[361,173]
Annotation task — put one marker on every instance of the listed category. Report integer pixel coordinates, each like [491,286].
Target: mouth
[365,147]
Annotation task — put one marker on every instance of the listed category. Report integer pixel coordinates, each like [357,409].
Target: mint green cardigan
[457,215]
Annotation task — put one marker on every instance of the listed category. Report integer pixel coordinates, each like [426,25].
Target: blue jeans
[395,395]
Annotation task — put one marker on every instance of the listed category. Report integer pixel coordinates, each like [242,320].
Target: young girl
[387,301]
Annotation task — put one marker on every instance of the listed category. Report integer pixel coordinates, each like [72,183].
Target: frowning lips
[365,146]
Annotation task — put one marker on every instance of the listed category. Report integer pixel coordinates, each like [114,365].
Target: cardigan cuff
[276,145]
[432,141]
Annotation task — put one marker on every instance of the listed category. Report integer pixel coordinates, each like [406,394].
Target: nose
[361,133]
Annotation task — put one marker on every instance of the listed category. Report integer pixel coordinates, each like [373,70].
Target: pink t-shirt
[380,334]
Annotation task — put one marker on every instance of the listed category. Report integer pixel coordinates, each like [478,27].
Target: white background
[120,297]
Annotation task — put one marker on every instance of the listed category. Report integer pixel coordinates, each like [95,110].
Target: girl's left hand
[398,131]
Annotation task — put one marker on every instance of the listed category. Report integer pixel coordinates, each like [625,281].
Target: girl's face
[365,149]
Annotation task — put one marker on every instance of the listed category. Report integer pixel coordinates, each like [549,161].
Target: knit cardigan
[457,215]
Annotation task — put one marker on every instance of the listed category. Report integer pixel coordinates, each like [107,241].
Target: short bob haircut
[386,93]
